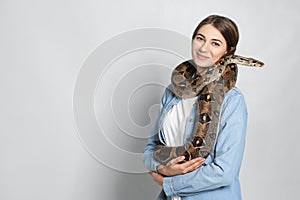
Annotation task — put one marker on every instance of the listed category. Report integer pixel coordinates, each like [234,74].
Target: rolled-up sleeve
[147,157]
[222,166]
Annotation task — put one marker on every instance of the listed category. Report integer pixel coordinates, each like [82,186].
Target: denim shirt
[218,177]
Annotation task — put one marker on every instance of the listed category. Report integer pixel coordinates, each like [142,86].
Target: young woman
[217,176]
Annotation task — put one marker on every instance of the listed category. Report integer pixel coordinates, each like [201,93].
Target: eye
[199,38]
[216,44]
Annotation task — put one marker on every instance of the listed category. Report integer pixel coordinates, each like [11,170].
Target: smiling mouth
[202,57]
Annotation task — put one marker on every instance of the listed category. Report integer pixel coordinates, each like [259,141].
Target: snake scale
[211,84]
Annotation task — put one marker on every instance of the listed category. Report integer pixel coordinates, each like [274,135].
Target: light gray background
[43,45]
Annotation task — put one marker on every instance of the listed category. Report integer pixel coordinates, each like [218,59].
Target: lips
[201,57]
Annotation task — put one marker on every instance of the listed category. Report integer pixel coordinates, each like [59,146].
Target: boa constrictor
[211,84]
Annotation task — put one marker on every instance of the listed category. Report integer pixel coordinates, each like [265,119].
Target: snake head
[241,60]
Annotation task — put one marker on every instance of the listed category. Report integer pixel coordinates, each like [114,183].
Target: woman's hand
[159,179]
[175,168]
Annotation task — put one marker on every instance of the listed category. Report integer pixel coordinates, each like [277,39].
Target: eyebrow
[217,40]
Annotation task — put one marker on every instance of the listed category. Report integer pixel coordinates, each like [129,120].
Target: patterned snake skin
[211,84]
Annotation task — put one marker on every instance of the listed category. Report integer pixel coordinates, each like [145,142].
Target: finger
[192,167]
[192,162]
[155,176]
[199,159]
[176,160]
[179,159]
[198,164]
[151,173]
[202,161]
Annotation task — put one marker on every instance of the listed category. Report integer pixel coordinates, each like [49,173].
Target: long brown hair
[227,28]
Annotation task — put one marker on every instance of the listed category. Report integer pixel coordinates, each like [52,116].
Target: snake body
[211,84]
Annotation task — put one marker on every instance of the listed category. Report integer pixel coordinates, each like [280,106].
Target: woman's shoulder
[168,92]
[234,92]
[234,97]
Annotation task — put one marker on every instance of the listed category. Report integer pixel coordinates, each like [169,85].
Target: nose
[204,47]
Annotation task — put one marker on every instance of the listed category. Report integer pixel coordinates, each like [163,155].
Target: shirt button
[190,119]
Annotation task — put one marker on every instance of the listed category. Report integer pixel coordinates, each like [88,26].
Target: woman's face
[208,46]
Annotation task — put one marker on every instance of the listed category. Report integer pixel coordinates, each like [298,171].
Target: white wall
[77,95]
